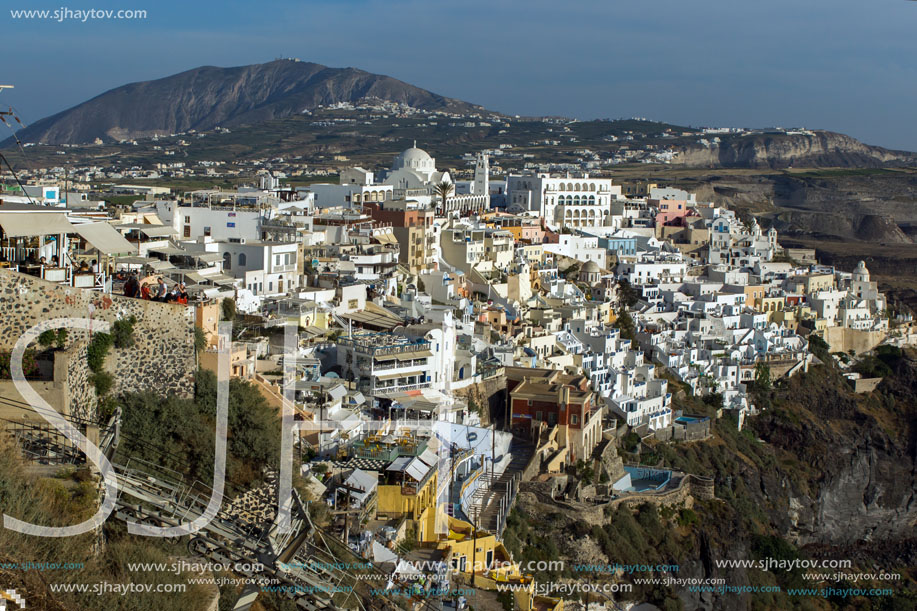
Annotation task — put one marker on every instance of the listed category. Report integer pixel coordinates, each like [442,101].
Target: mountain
[207,97]
[782,150]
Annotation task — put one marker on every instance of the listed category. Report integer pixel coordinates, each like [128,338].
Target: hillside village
[459,337]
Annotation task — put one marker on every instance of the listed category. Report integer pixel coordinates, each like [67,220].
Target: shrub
[630,442]
[103,381]
[29,364]
[97,351]
[687,517]
[47,338]
[229,308]
[61,338]
[106,408]
[122,332]
[200,340]
[184,428]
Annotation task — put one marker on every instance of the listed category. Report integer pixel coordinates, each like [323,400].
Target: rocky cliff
[822,473]
[820,149]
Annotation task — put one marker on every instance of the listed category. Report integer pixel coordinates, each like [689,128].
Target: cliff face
[822,149]
[860,482]
[821,473]
[207,97]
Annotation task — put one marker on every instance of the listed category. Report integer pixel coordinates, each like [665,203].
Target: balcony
[388,390]
[388,365]
[369,445]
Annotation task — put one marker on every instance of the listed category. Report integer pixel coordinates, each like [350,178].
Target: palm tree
[442,191]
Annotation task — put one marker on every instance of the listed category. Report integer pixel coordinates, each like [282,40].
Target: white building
[563,201]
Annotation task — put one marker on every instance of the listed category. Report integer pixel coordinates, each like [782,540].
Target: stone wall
[162,359]
[80,394]
[490,395]
[842,339]
[863,385]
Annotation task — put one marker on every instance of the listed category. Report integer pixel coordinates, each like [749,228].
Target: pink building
[670,211]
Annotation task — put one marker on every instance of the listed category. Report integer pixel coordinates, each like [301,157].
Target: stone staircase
[487,500]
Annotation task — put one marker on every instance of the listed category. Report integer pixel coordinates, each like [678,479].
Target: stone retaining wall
[162,359]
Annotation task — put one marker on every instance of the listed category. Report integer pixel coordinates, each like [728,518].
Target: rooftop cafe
[42,241]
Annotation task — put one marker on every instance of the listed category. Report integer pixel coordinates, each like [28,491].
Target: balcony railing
[386,365]
[387,390]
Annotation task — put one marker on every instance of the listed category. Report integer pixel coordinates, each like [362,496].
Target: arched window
[227,261]
[592,200]
[241,259]
[569,186]
[562,187]
[576,200]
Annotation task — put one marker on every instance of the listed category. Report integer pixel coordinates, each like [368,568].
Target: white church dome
[414,159]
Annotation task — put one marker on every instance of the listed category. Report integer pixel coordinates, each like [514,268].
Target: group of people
[155,291]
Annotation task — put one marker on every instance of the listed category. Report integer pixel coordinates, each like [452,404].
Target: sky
[843,65]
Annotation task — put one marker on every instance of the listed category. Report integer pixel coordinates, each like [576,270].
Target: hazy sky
[844,65]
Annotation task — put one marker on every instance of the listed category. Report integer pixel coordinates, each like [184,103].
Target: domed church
[415,169]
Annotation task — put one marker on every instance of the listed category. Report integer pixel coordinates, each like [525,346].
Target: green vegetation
[200,340]
[97,351]
[184,429]
[29,364]
[122,332]
[53,337]
[102,381]
[627,295]
[819,347]
[625,323]
[66,499]
[882,363]
[528,538]
[228,307]
[762,377]
[442,191]
[630,442]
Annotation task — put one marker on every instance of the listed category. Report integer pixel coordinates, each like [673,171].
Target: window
[574,419]
[187,219]
[207,231]
[242,259]
[227,261]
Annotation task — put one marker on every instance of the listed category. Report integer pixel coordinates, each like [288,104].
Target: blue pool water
[642,479]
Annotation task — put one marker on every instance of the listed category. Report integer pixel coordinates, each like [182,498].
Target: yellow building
[408,489]
[770,306]
[485,563]
[753,296]
[813,283]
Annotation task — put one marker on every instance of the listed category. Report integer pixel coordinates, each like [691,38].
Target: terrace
[387,447]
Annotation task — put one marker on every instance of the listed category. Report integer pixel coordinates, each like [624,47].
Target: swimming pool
[687,419]
[642,479]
